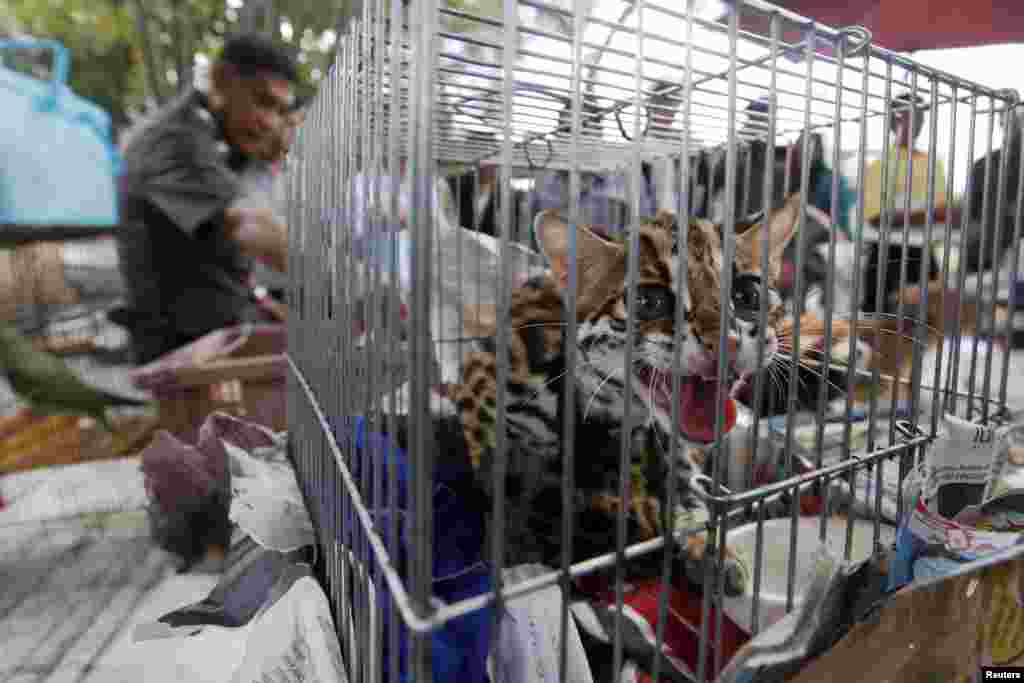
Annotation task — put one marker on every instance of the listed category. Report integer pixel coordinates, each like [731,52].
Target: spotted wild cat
[537,371]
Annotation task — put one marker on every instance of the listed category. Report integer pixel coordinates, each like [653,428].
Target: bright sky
[547,62]
[994,66]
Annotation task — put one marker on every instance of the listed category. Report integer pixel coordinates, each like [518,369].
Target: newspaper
[969,468]
[958,465]
[1006,478]
[1001,507]
[966,542]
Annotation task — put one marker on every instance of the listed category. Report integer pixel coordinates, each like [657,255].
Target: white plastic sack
[466,268]
[530,636]
[267,502]
[294,640]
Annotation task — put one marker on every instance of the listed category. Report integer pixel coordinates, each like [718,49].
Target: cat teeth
[740,384]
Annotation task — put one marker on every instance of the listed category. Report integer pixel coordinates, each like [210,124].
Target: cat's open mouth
[697,404]
[743,388]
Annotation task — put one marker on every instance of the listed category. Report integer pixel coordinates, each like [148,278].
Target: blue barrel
[58,163]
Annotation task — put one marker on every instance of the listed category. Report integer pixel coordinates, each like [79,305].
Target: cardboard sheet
[943,630]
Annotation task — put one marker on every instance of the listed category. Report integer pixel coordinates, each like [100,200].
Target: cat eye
[654,303]
[746,295]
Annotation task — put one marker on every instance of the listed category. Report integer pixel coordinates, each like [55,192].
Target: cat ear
[666,220]
[593,254]
[480,320]
[781,226]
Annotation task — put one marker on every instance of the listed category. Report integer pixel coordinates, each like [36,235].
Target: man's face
[279,141]
[255,108]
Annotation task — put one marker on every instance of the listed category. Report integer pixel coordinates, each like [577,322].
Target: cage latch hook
[1011,95]
[529,159]
[909,430]
[857,40]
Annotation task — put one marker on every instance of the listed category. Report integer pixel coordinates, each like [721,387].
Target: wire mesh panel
[633,294]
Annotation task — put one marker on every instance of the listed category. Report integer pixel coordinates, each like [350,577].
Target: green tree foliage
[131,55]
[99,35]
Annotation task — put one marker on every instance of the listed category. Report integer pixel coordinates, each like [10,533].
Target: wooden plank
[18,235]
[251,368]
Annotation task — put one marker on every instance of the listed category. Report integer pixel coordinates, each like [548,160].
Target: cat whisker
[822,375]
[582,363]
[780,378]
[832,365]
[863,336]
[655,373]
[877,316]
[769,376]
[553,379]
[773,383]
[597,391]
[788,348]
[788,364]
[785,365]
[778,383]
[650,397]
[786,345]
[817,367]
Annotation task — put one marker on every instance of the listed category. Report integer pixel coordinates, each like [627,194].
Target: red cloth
[911,24]
[682,628]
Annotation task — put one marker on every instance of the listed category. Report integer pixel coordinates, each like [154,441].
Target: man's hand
[260,234]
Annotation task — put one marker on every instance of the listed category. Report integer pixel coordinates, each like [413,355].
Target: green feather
[49,386]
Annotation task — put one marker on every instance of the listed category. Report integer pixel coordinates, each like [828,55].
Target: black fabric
[981,235]
[872,301]
[255,577]
[193,527]
[700,183]
[463,188]
[179,177]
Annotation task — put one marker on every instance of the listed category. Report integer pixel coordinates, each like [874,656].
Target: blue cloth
[908,548]
[934,567]
[821,197]
[458,649]
[910,563]
[58,164]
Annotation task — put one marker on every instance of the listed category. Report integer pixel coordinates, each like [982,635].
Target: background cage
[383,260]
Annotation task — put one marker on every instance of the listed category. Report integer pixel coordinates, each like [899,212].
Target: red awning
[909,25]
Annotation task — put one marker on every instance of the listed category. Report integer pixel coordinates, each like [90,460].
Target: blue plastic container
[58,164]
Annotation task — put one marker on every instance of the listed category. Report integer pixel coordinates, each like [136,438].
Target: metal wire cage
[431,108]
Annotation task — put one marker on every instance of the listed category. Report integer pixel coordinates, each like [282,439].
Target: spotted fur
[537,372]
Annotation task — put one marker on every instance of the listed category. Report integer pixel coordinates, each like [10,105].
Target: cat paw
[736,577]
[645,512]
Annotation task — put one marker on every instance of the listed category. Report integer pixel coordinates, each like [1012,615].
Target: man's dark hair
[252,53]
[901,105]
